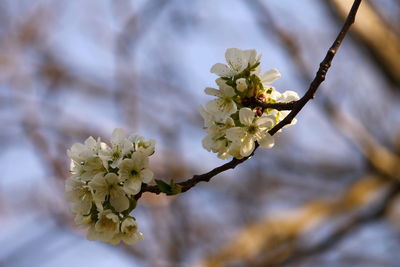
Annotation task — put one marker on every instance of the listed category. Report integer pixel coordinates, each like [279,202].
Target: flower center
[252,129]
[116,155]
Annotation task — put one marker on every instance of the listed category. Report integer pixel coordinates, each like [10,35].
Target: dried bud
[261,97]
[259,111]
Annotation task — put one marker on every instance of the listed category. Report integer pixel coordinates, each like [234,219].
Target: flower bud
[241,84]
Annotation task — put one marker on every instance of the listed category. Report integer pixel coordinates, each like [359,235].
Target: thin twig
[277,105]
[297,106]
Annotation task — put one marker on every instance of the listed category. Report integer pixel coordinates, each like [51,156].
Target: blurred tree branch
[382,43]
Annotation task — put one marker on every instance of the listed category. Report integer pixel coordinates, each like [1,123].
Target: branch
[322,71]
[374,212]
[254,102]
[296,107]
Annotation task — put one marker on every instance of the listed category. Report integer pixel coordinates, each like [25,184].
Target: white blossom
[208,117]
[238,60]
[120,146]
[269,77]
[233,129]
[287,96]
[134,171]
[254,129]
[141,145]
[79,194]
[215,141]
[129,231]
[224,105]
[106,227]
[241,84]
[109,186]
[82,152]
[103,180]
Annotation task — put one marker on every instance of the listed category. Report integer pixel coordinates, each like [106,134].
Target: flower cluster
[104,179]
[234,120]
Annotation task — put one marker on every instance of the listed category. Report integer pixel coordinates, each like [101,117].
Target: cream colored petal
[111,178]
[117,136]
[132,186]
[246,116]
[235,134]
[140,160]
[228,91]
[118,199]
[236,59]
[221,70]
[264,122]
[146,175]
[229,108]
[214,105]
[213,92]
[267,141]
[270,76]
[247,146]
[289,96]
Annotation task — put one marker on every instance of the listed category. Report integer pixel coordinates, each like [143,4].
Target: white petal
[213,92]
[119,200]
[289,96]
[214,106]
[246,116]
[117,136]
[267,141]
[208,118]
[208,142]
[132,186]
[146,175]
[111,178]
[235,134]
[270,76]
[227,109]
[236,59]
[228,91]
[247,147]
[251,56]
[140,160]
[264,122]
[241,84]
[221,70]
[220,82]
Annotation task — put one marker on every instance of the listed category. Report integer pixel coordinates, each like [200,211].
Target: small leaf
[164,187]
[169,189]
[175,189]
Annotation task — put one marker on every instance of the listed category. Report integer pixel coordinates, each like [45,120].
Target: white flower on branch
[80,194]
[128,233]
[120,146]
[241,84]
[238,60]
[141,145]
[108,186]
[269,77]
[224,105]
[241,116]
[254,129]
[106,227]
[103,182]
[134,172]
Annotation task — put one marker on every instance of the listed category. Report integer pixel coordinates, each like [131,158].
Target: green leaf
[169,189]
[175,189]
[164,187]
